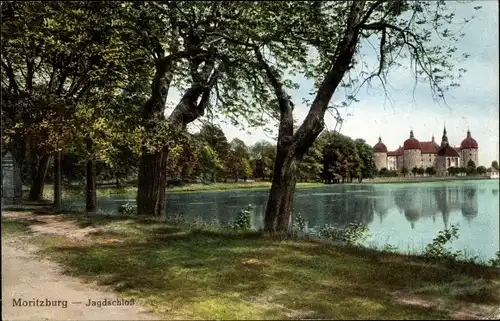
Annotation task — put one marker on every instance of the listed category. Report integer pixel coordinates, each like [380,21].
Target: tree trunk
[39,167]
[149,185]
[91,199]
[91,193]
[279,204]
[57,181]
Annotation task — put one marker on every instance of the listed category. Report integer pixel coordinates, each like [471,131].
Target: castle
[426,154]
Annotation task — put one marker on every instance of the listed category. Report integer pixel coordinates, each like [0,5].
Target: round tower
[412,153]
[469,150]
[380,154]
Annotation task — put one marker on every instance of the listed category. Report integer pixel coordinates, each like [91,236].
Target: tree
[262,156]
[404,171]
[481,170]
[471,167]
[421,171]
[431,171]
[400,25]
[383,172]
[199,36]
[414,171]
[238,160]
[494,164]
[452,170]
[365,154]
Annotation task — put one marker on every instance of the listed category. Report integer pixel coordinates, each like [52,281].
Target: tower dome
[411,143]
[379,147]
[469,142]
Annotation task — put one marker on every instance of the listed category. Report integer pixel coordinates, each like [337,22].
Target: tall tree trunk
[91,193]
[152,171]
[149,185]
[57,181]
[39,167]
[279,204]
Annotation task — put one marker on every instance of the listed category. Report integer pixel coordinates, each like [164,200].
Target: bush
[127,209]
[243,221]
[496,261]
[354,234]
[300,223]
[436,249]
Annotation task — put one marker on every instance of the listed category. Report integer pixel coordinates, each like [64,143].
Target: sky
[473,105]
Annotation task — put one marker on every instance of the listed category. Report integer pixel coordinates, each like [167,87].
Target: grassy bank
[191,188]
[186,273]
[103,191]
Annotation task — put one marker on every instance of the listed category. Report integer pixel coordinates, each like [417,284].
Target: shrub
[127,209]
[300,223]
[437,250]
[496,261]
[354,234]
[243,221]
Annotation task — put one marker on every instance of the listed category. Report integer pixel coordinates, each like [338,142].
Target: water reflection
[407,213]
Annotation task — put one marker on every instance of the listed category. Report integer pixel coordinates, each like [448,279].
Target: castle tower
[412,153]
[380,154]
[469,150]
[444,139]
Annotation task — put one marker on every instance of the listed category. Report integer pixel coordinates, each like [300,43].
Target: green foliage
[243,220]
[300,223]
[389,248]
[481,170]
[354,234]
[494,164]
[127,209]
[496,261]
[430,171]
[437,249]
[346,159]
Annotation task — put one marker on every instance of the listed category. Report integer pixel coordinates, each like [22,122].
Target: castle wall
[400,162]
[428,160]
[412,158]
[380,160]
[468,154]
[392,163]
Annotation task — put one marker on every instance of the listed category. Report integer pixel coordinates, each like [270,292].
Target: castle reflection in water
[364,203]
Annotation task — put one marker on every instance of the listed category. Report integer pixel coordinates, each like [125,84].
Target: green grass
[105,191]
[184,273]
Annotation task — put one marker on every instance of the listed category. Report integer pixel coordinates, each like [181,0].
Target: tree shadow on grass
[188,270]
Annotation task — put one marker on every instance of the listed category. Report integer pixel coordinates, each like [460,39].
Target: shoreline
[260,185]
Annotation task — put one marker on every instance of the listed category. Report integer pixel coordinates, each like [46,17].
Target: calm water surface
[404,215]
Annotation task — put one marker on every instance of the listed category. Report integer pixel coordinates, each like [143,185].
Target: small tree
[430,171]
[452,170]
[404,171]
[383,172]
[471,167]
[494,164]
[481,170]
[421,171]
[414,171]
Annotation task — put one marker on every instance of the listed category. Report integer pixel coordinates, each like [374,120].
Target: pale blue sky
[473,105]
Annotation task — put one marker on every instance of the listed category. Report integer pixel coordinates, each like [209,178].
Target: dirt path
[27,278]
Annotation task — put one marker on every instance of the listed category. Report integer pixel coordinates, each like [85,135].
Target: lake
[407,216]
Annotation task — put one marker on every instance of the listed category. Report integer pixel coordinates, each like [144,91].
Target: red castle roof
[448,151]
[411,143]
[397,152]
[380,147]
[469,142]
